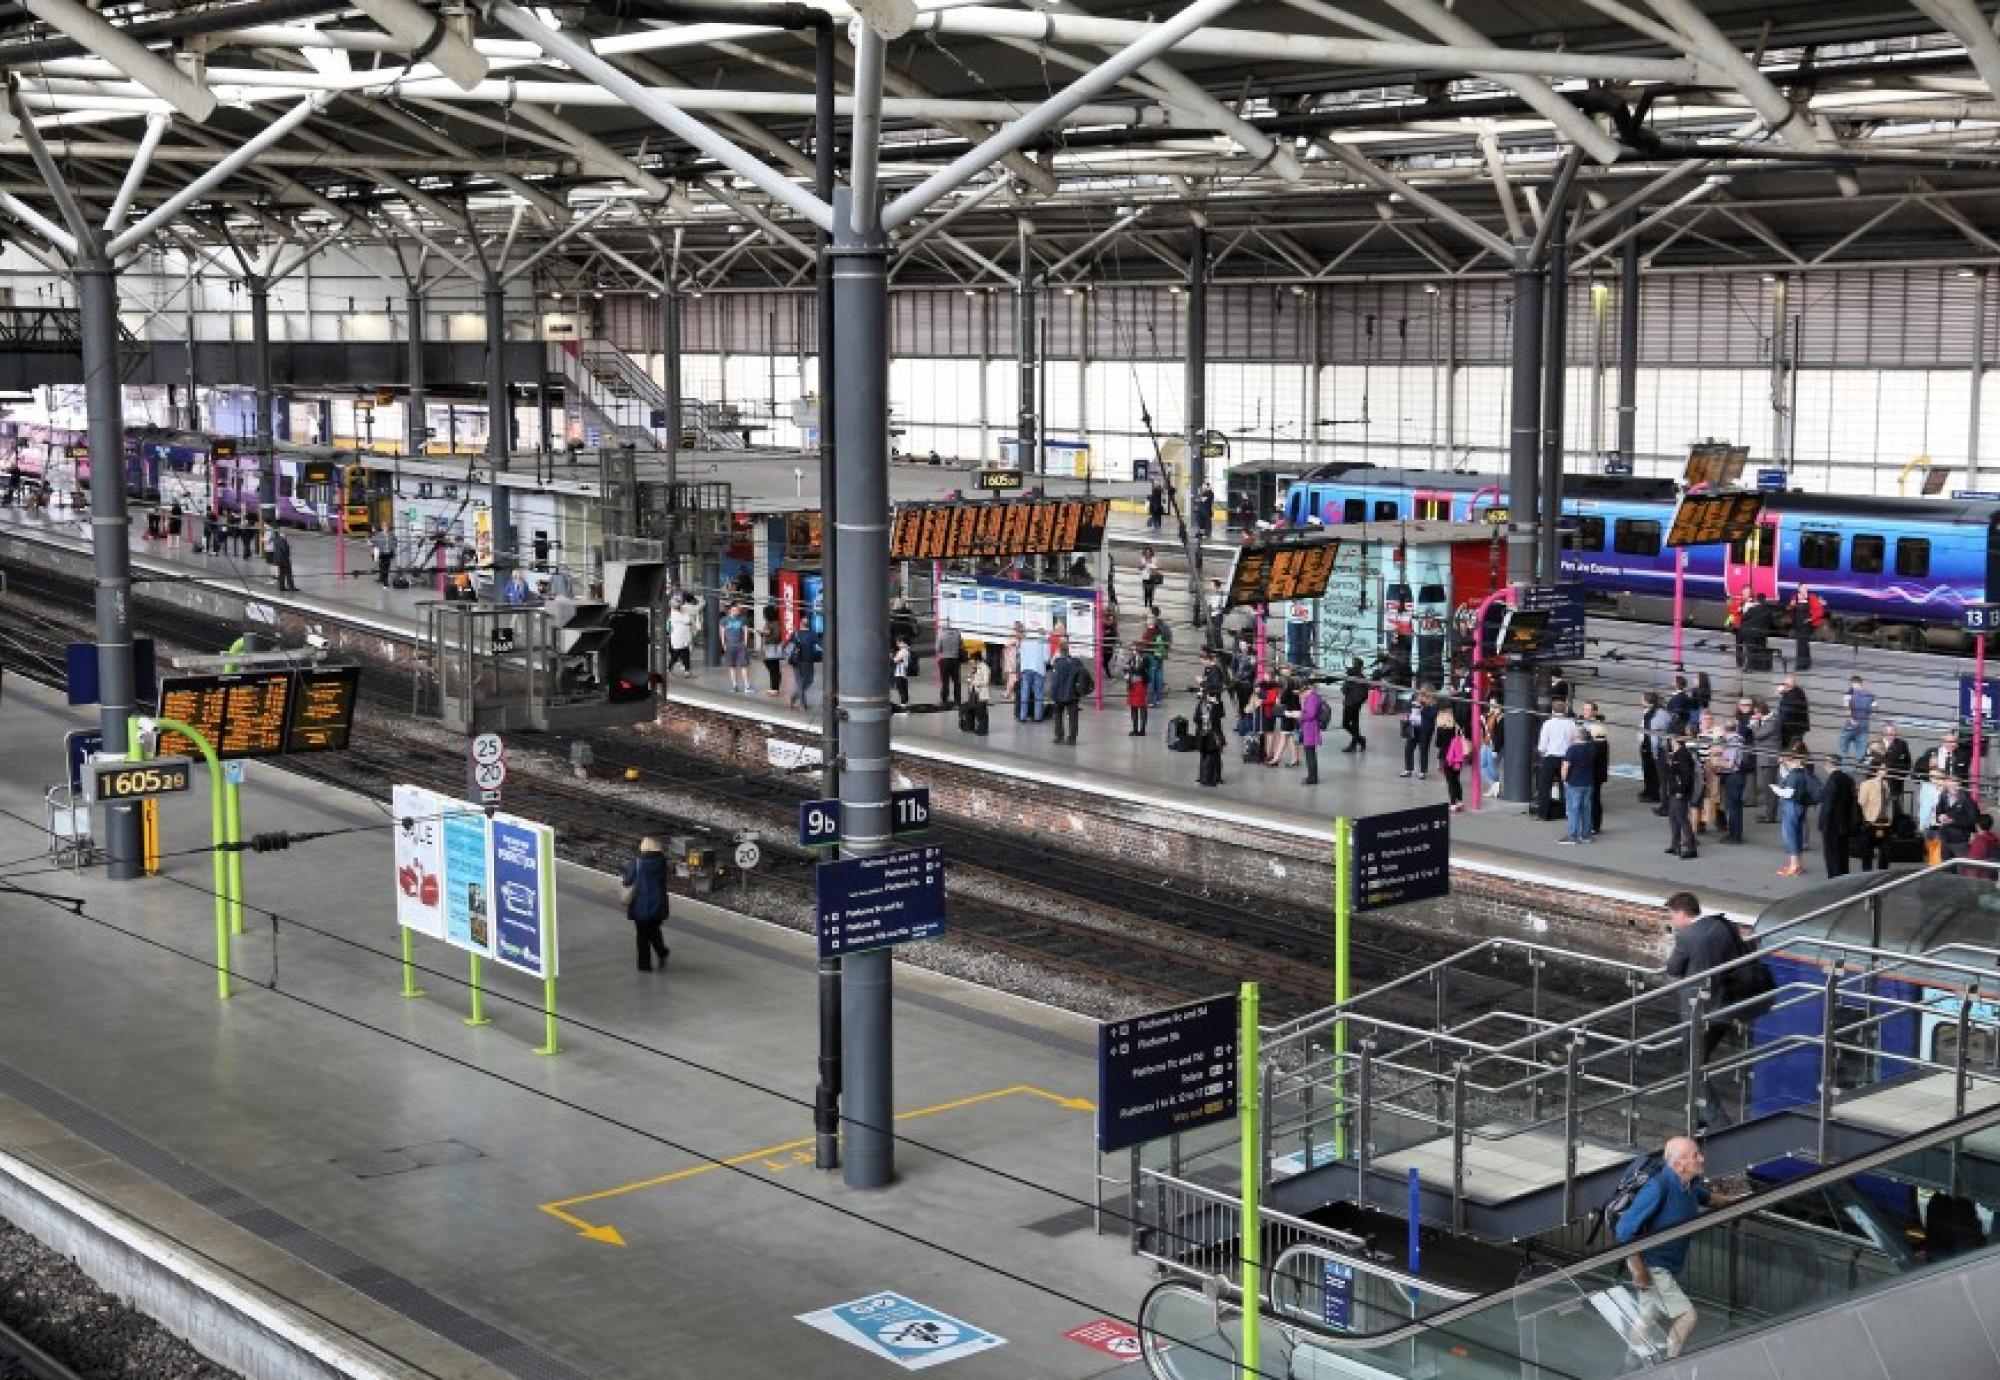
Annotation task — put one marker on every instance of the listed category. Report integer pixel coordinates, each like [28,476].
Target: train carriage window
[1864,554]
[1635,537]
[1386,510]
[1354,510]
[1913,557]
[1590,534]
[1819,550]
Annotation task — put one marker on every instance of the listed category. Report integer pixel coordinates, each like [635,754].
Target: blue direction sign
[1166,1071]
[1337,1295]
[874,902]
[819,820]
[1773,479]
[1989,700]
[1400,857]
[1562,639]
[1982,618]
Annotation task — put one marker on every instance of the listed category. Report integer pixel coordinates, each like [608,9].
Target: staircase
[612,392]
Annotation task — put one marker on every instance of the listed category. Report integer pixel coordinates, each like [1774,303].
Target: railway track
[21,1359]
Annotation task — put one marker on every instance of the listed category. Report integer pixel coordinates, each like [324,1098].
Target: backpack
[794,652]
[1454,751]
[1324,715]
[1605,1218]
[1749,981]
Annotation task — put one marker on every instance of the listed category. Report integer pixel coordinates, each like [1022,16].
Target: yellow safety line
[554,1209]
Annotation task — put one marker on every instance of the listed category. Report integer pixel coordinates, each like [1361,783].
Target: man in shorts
[1674,1195]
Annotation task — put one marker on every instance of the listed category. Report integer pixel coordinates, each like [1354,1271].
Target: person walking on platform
[1354,688]
[1068,682]
[281,557]
[1674,1195]
[1419,731]
[1156,510]
[1452,751]
[1315,714]
[1159,645]
[1860,705]
[735,635]
[1149,579]
[1209,741]
[383,543]
[772,642]
[175,515]
[1702,943]
[680,639]
[972,715]
[899,671]
[1682,776]
[800,649]
[1558,732]
[951,656]
[644,883]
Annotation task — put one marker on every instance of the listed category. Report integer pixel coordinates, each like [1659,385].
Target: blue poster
[468,889]
[520,895]
[901,1330]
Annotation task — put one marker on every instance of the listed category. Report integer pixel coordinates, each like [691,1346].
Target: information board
[802,536]
[323,709]
[1018,527]
[1337,1295]
[986,610]
[874,902]
[467,882]
[1401,857]
[1166,1071]
[241,715]
[524,894]
[262,713]
[1523,633]
[420,858]
[1562,638]
[1280,568]
[997,481]
[1715,463]
[1705,519]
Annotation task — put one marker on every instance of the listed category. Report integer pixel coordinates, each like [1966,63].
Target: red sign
[788,602]
[1109,1336]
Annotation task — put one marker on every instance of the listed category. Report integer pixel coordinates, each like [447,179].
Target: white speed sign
[748,855]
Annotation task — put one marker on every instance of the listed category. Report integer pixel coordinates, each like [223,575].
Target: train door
[1431,505]
[1751,566]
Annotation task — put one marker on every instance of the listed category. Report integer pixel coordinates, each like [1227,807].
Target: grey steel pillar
[1027,426]
[413,305]
[1197,411]
[1781,421]
[260,375]
[110,534]
[1628,347]
[860,611]
[670,367]
[1523,512]
[1555,387]
[1978,377]
[499,422]
[826,1093]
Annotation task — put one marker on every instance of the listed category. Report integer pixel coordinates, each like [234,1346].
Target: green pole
[478,1016]
[548,1044]
[232,820]
[546,846]
[410,988]
[1343,978]
[1249,1118]
[218,835]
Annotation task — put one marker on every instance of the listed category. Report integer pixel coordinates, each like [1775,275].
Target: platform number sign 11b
[819,820]
[487,767]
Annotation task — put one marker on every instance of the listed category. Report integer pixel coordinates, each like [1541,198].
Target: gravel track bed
[52,1303]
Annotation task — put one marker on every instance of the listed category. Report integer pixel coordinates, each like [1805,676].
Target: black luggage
[399,582]
[975,716]
[1253,748]
[1179,738]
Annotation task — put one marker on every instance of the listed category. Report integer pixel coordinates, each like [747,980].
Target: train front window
[1819,550]
[1864,554]
[1913,557]
[1635,537]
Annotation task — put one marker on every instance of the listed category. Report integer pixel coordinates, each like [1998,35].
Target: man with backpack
[1068,682]
[1672,1193]
[1702,943]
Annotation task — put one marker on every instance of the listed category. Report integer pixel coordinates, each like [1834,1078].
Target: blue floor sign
[884,899]
[898,1329]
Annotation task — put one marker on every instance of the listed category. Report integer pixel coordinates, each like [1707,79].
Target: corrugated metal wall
[1918,317]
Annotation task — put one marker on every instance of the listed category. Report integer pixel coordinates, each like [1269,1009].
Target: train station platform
[641,1204]
[1627,862]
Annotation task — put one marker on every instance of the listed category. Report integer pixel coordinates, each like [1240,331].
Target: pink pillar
[1504,595]
[1978,712]
[1680,599]
[1261,668]
[1097,598]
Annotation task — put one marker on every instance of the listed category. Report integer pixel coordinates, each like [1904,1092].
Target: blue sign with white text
[874,902]
[1337,1295]
[819,820]
[468,916]
[77,746]
[519,884]
[1991,700]
[1982,618]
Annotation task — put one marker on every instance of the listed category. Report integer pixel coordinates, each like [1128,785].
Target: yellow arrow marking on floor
[791,1148]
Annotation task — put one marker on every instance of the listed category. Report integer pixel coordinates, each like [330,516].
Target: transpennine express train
[201,471]
[1896,570]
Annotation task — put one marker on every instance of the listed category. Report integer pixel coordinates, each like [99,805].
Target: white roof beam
[131,57]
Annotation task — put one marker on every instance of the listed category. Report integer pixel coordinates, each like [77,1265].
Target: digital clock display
[115,781]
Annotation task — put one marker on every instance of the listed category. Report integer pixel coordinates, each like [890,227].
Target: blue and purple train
[1898,571]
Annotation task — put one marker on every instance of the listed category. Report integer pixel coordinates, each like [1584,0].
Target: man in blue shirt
[1674,1195]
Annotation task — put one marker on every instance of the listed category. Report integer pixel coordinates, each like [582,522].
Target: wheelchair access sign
[912,1335]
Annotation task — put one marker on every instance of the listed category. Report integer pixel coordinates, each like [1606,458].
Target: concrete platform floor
[642,1204]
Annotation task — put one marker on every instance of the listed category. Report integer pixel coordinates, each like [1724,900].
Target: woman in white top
[680,639]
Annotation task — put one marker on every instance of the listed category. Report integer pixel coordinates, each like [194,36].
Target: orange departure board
[1016,527]
[240,715]
[1705,519]
[322,717]
[1715,463]
[1281,568]
[802,536]
[262,713]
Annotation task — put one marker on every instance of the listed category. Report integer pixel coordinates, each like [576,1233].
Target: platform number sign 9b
[819,820]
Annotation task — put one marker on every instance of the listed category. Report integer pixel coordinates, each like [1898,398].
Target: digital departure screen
[1704,519]
[1033,527]
[261,713]
[323,709]
[1715,464]
[1281,567]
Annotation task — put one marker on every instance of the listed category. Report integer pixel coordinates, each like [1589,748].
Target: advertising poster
[523,895]
[468,884]
[419,860]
